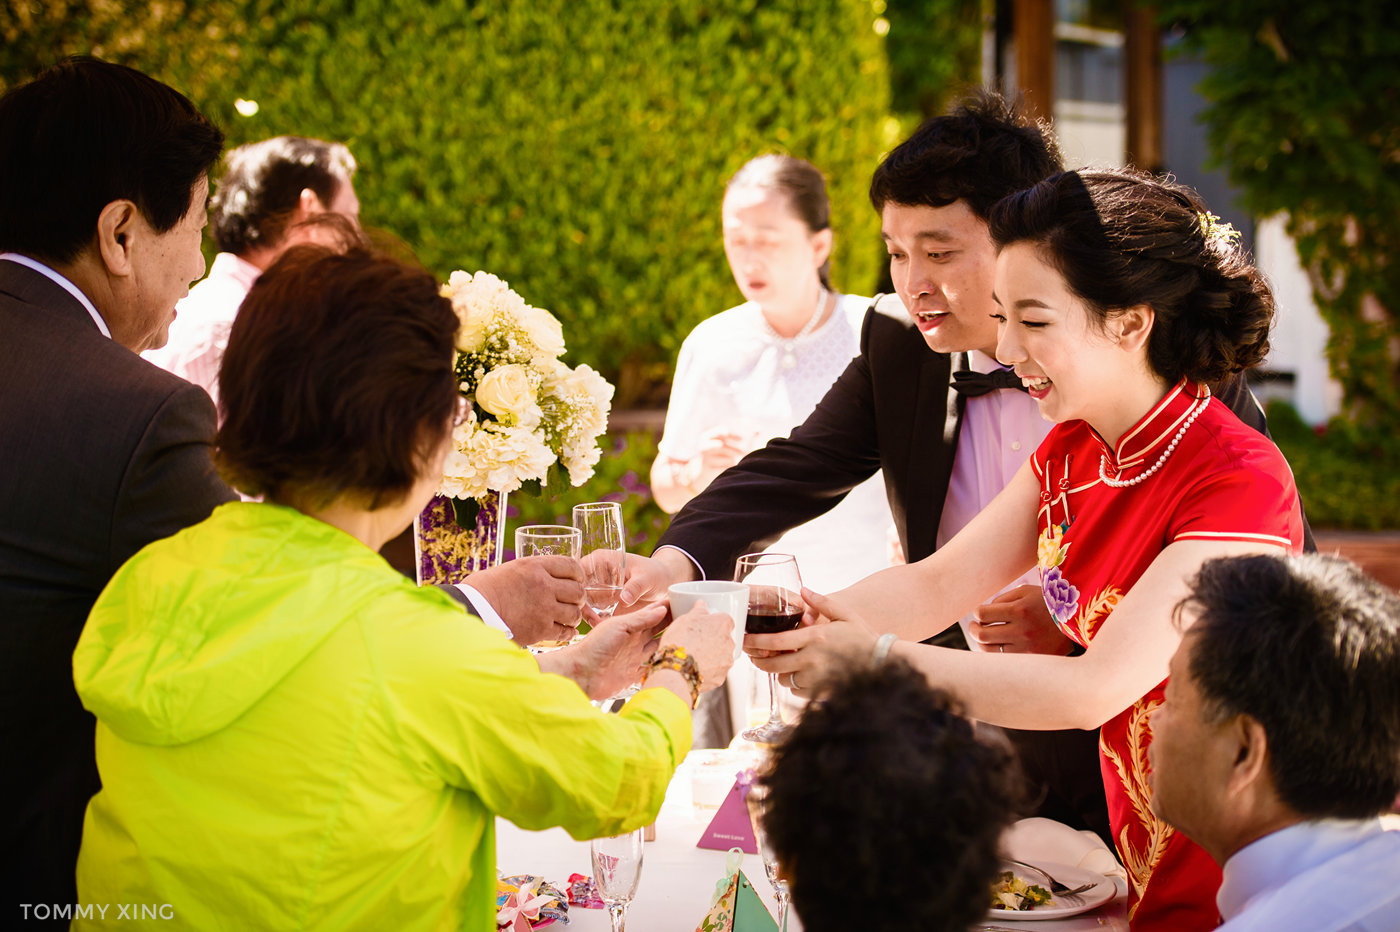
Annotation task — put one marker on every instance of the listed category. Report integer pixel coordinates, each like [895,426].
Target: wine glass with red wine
[775,604]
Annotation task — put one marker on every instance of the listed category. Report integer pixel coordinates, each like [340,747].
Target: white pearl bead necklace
[1196,408]
[789,344]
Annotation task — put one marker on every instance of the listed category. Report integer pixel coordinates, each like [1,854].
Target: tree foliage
[576,149]
[935,50]
[1304,114]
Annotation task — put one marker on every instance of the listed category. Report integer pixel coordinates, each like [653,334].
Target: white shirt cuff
[483,609]
[698,568]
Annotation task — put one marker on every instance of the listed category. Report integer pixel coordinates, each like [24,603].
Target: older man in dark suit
[103,183]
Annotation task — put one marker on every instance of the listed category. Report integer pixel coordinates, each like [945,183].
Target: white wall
[1299,340]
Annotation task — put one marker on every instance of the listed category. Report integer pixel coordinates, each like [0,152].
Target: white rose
[544,330]
[507,393]
[473,322]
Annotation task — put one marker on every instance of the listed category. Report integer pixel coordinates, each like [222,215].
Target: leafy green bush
[576,149]
[1347,478]
[1304,113]
[935,50]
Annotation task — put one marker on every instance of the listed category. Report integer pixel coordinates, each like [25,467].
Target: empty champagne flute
[534,540]
[775,604]
[617,869]
[603,553]
[757,801]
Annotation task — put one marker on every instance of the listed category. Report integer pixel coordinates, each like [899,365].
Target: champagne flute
[775,604]
[617,869]
[604,554]
[534,540]
[757,801]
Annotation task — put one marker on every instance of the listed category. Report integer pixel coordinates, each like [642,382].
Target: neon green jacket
[293,736]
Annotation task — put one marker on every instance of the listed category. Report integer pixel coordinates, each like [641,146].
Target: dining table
[678,878]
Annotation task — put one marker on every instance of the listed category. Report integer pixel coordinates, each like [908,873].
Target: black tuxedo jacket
[100,454]
[893,410]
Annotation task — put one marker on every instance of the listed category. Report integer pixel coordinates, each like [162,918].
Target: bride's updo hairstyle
[1125,238]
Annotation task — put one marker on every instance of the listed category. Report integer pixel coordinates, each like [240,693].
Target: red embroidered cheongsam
[1221,481]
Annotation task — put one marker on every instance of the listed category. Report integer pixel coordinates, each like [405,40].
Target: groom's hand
[648,578]
[1017,622]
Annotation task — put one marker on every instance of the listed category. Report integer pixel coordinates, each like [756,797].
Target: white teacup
[729,598]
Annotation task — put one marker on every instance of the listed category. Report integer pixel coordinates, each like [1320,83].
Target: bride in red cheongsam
[1121,300]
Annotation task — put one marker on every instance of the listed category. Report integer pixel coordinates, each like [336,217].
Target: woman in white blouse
[754,372]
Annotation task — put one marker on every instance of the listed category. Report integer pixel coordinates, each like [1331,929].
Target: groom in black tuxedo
[103,184]
[902,409]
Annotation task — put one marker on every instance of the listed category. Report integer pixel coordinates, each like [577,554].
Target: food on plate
[1011,892]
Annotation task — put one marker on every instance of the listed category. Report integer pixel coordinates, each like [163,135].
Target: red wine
[770,620]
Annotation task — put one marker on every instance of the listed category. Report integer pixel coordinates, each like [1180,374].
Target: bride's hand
[833,640]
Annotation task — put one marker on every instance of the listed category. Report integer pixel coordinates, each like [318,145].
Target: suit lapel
[937,417]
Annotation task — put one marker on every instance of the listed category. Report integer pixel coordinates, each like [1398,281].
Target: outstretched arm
[1126,659]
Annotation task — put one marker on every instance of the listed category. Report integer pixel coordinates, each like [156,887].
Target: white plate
[1100,893]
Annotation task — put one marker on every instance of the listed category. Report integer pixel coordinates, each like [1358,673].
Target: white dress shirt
[735,374]
[63,283]
[999,432]
[199,333]
[1330,875]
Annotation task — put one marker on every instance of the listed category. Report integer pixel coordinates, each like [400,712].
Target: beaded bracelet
[673,657]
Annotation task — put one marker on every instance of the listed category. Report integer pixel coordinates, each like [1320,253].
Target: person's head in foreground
[268,187]
[104,178]
[777,234]
[1113,286]
[885,806]
[1283,709]
[351,399]
[935,192]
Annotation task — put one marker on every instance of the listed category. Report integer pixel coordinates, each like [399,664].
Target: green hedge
[576,149]
[1349,478]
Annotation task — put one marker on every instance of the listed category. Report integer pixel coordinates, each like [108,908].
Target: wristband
[882,649]
[672,657]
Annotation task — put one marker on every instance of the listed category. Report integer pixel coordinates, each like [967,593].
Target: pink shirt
[999,432]
[199,333]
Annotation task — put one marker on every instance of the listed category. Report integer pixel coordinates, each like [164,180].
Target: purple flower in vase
[1060,597]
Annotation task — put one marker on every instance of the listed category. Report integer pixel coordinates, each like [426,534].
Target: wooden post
[1142,93]
[1034,26]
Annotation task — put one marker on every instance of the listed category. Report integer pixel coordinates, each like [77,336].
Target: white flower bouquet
[529,411]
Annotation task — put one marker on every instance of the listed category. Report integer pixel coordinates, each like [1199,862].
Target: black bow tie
[974,384]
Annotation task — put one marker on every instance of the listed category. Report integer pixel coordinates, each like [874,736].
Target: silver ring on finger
[792,681]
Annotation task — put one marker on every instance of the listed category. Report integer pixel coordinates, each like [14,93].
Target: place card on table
[731,828]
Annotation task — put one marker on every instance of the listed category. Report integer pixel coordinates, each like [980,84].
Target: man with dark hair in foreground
[103,182]
[1278,746]
[885,806]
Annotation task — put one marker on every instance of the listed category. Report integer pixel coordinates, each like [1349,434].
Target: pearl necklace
[789,344]
[1196,408]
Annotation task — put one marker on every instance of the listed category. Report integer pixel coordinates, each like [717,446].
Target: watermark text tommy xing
[44,911]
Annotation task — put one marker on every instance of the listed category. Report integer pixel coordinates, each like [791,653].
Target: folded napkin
[1038,841]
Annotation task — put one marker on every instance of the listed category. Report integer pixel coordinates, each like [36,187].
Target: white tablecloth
[678,878]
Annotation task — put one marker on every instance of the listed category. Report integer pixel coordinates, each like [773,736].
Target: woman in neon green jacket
[293,736]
